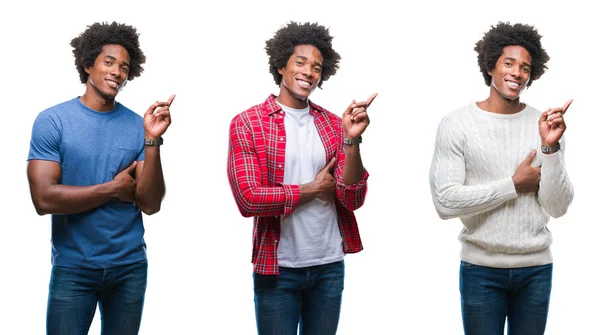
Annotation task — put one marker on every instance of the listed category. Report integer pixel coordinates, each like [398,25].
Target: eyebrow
[114,59]
[306,59]
[514,60]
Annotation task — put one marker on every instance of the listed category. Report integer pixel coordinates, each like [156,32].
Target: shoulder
[457,118]
[326,113]
[129,114]
[55,115]
[254,113]
[59,110]
[462,112]
[532,110]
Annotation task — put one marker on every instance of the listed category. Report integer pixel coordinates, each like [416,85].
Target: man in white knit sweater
[498,165]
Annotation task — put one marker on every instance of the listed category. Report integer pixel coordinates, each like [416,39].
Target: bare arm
[150,189]
[50,197]
[150,182]
[354,121]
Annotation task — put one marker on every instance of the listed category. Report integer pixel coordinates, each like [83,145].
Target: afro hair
[281,47]
[88,45]
[491,46]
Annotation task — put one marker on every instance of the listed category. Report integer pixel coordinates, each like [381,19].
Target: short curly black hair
[281,47]
[88,45]
[491,46]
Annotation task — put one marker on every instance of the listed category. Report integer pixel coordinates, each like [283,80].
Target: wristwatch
[153,142]
[551,149]
[350,141]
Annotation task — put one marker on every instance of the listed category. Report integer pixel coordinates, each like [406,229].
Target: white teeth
[513,84]
[112,83]
[303,83]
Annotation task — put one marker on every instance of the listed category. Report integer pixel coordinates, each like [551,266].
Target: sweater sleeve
[451,197]
[556,191]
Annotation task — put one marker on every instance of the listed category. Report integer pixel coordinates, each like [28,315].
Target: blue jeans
[74,294]
[491,295]
[310,296]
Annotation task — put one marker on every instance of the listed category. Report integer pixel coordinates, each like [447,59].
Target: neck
[495,103]
[95,101]
[289,100]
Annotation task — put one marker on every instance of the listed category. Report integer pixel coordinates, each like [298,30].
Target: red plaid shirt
[255,167]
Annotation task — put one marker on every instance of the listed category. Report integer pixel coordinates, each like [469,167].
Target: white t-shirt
[309,236]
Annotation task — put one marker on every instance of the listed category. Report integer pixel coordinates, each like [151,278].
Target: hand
[156,121]
[552,125]
[355,119]
[526,177]
[125,184]
[326,182]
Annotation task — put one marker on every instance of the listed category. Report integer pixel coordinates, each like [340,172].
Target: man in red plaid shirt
[296,168]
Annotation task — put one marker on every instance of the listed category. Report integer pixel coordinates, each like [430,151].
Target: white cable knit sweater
[476,154]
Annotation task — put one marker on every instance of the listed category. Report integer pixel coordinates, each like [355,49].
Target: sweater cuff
[506,188]
[550,161]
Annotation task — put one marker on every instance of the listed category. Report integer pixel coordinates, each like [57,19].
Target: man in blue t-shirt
[95,166]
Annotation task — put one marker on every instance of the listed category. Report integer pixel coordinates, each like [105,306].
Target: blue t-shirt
[92,148]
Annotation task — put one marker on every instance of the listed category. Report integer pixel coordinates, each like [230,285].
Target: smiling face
[512,72]
[109,72]
[300,76]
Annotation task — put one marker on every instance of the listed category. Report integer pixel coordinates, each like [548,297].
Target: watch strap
[351,141]
[551,149]
[153,142]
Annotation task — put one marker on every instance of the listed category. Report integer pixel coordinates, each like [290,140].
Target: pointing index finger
[171,100]
[566,106]
[371,98]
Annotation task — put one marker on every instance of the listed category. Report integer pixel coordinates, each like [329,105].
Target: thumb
[330,164]
[350,108]
[131,167]
[530,157]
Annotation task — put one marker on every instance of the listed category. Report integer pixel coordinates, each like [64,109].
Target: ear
[280,70]
[490,72]
[86,69]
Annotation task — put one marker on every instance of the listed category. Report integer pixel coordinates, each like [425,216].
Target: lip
[513,84]
[301,82]
[112,83]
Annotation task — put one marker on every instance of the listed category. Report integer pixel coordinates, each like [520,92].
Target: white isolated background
[417,55]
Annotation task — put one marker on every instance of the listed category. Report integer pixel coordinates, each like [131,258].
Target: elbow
[249,204]
[42,207]
[148,203]
[246,208]
[41,211]
[557,212]
[352,206]
[445,215]
[444,212]
[148,207]
[150,210]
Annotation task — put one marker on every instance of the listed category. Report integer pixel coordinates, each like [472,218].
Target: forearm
[353,167]
[265,201]
[64,199]
[308,193]
[150,188]
[453,200]
[556,191]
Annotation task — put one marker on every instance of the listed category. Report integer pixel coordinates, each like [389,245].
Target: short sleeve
[45,138]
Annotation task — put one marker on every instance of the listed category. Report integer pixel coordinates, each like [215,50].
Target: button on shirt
[255,169]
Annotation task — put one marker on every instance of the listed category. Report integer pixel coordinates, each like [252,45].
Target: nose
[515,71]
[307,71]
[116,71]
